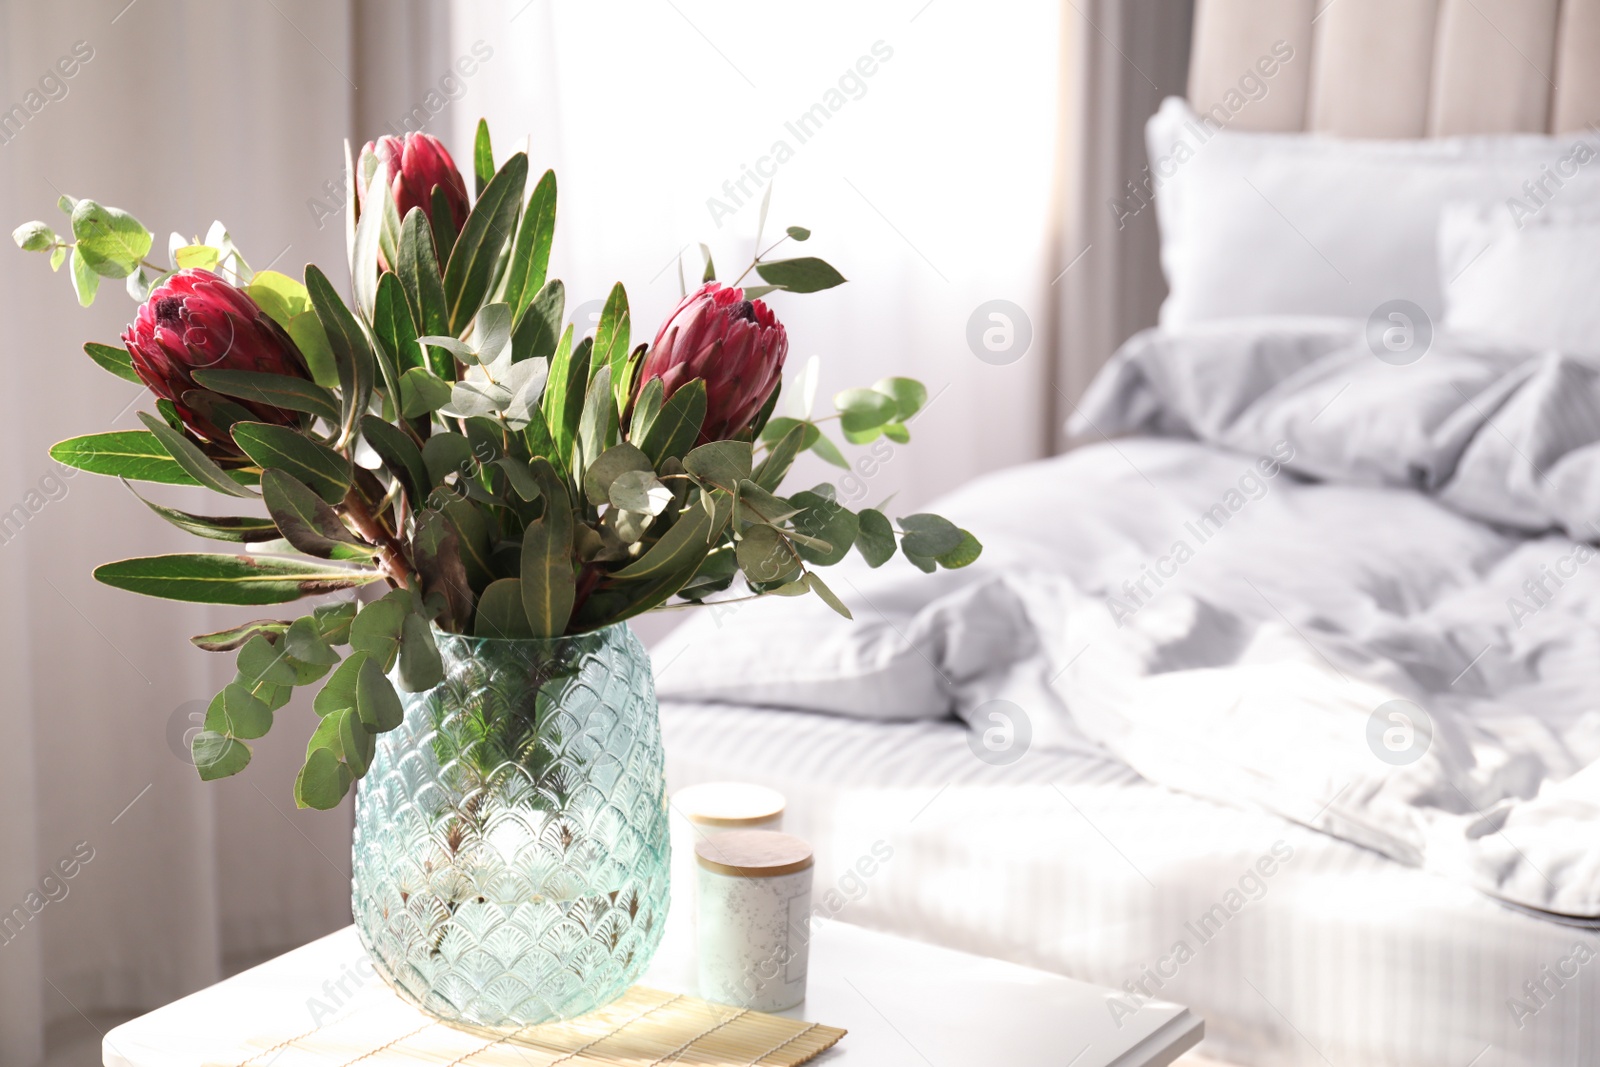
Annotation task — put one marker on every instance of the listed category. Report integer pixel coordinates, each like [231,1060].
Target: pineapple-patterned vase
[511,850]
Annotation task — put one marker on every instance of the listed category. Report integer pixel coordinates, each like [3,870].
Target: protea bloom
[417,164]
[736,345]
[195,320]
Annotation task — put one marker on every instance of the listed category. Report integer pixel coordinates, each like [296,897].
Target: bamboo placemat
[645,1028]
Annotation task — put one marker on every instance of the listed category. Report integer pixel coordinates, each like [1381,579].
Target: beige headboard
[1402,68]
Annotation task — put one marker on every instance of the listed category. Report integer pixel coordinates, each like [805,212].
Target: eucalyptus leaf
[804,275]
[929,536]
[421,667]
[723,464]
[322,782]
[875,537]
[216,756]
[236,712]
[765,556]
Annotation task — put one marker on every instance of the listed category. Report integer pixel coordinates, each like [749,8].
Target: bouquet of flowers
[442,433]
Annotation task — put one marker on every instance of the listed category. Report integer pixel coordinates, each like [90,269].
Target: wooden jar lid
[753,853]
[728,805]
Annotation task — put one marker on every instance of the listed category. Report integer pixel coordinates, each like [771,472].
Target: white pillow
[1282,224]
[1527,280]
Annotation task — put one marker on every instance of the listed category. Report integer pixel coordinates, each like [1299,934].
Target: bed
[1281,698]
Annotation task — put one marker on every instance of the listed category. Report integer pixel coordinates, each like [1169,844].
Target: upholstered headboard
[1401,68]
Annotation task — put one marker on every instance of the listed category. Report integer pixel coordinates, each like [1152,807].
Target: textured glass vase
[511,843]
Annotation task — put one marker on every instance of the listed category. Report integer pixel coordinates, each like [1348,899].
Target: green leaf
[677,428]
[963,555]
[500,611]
[564,395]
[304,519]
[278,390]
[445,454]
[314,464]
[377,629]
[401,455]
[929,536]
[322,782]
[239,529]
[85,282]
[236,712]
[235,636]
[611,338]
[646,409]
[530,256]
[798,233]
[682,547]
[304,643]
[421,392]
[804,275]
[816,585]
[780,458]
[470,271]
[356,740]
[765,555]
[865,411]
[377,704]
[115,360]
[710,273]
[723,464]
[216,756]
[597,425]
[262,662]
[436,551]
[824,520]
[442,220]
[200,468]
[419,277]
[548,583]
[217,579]
[875,537]
[421,667]
[352,355]
[472,528]
[308,335]
[333,621]
[34,236]
[338,693]
[279,296]
[824,447]
[758,505]
[538,329]
[392,325]
[135,455]
[614,461]
[482,158]
[908,393]
[110,241]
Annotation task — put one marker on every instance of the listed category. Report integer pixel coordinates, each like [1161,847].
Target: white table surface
[903,1003]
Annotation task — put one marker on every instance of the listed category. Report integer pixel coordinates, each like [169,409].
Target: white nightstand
[903,1002]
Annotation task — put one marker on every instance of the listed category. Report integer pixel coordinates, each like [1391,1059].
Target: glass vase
[511,840]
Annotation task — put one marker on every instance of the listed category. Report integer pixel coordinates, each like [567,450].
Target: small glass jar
[753,918]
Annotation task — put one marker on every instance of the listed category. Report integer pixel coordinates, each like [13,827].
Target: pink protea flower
[196,320]
[736,345]
[417,164]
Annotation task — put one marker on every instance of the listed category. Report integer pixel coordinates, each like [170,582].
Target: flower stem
[391,556]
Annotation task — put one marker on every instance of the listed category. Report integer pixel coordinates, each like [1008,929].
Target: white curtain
[924,142]
[181,112]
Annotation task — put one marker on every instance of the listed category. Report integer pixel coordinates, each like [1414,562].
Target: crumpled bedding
[1291,576]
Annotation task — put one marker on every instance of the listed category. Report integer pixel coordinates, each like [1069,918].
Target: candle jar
[753,915]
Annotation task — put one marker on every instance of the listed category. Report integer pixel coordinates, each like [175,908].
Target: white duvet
[1403,652]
